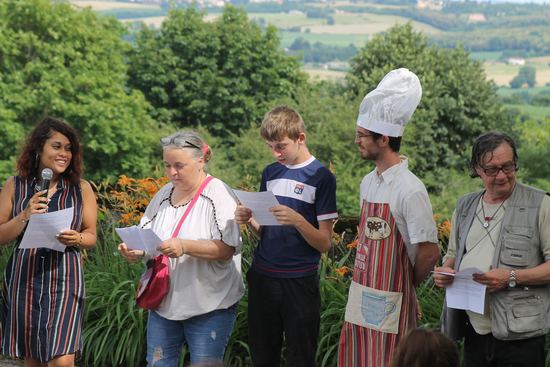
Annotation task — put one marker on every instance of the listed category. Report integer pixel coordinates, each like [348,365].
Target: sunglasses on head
[177,141]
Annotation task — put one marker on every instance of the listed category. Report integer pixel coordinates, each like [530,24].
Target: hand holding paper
[465,293]
[43,228]
[139,239]
[259,203]
[495,279]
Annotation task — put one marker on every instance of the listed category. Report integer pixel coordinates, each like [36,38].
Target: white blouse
[198,286]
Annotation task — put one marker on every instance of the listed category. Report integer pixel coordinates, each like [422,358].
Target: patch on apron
[376,228]
[373,308]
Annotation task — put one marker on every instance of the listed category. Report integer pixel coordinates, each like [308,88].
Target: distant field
[348,23]
[507,92]
[536,112]
[335,4]
[109,5]
[157,21]
[545,60]
[502,74]
[486,56]
[322,74]
[327,39]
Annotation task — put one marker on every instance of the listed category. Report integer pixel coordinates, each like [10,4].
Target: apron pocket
[373,308]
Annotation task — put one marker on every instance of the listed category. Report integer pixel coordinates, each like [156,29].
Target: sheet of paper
[139,239]
[259,203]
[465,294]
[42,228]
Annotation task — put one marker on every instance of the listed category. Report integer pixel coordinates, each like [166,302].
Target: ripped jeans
[206,336]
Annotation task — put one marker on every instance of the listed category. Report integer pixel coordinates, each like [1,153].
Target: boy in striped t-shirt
[283,284]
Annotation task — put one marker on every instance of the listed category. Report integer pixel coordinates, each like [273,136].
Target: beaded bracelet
[80,243]
[18,217]
[182,250]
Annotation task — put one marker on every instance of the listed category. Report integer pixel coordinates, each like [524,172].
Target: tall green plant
[111,284]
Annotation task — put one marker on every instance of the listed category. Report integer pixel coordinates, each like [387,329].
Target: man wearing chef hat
[397,244]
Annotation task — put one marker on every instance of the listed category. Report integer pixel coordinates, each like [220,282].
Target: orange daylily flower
[125,181]
[353,244]
[343,270]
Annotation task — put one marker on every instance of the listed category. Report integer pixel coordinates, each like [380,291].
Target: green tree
[330,116]
[517,82]
[533,145]
[529,74]
[526,75]
[67,63]
[213,73]
[457,104]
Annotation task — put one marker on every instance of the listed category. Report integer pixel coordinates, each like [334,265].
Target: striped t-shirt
[310,189]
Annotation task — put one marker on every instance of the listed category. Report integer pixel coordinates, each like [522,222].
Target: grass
[506,92]
[486,56]
[324,74]
[337,3]
[536,112]
[107,5]
[133,13]
[345,24]
[502,73]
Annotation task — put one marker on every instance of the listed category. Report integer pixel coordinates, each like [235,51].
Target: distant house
[477,17]
[296,12]
[515,61]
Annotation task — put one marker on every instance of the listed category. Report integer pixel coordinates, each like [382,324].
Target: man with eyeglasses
[397,239]
[503,230]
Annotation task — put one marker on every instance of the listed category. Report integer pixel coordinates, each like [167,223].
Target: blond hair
[281,122]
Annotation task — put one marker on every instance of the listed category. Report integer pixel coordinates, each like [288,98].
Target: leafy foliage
[527,75]
[215,74]
[69,64]
[321,52]
[329,117]
[533,145]
[531,38]
[457,104]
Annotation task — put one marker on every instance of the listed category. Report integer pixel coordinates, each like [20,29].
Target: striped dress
[43,290]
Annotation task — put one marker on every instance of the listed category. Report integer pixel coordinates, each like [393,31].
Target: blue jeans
[206,335]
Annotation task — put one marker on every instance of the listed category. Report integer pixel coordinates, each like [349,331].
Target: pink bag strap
[195,198]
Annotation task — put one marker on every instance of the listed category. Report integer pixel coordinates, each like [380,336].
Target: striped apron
[382,300]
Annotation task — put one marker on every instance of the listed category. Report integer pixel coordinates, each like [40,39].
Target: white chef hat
[387,109]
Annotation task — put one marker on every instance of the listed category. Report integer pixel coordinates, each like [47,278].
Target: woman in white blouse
[205,262]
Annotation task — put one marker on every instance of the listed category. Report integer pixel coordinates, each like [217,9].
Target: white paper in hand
[259,203]
[465,294]
[42,229]
[139,239]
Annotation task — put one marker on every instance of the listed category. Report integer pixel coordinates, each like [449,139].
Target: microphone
[47,175]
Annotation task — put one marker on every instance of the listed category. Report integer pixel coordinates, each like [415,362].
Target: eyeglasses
[177,141]
[361,136]
[493,171]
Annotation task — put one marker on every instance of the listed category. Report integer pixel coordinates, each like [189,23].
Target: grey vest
[521,312]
